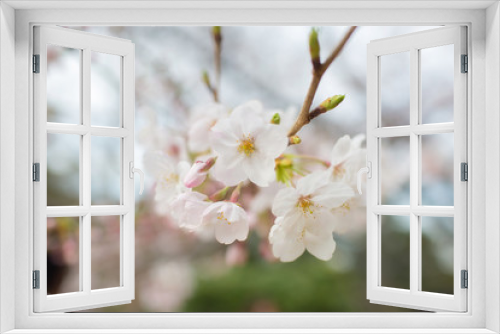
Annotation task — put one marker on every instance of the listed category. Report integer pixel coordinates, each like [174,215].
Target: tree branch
[318,71]
[216,32]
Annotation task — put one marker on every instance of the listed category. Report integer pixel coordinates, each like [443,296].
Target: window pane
[105,252]
[437,79]
[395,241]
[395,170]
[437,169]
[63,166]
[63,84]
[106,169]
[395,89]
[437,254]
[63,255]
[105,90]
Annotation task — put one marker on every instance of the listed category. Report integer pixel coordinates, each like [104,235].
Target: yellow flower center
[339,171]
[306,205]
[171,178]
[246,145]
[222,218]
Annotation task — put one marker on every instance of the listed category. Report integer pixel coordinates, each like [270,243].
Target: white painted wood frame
[86,44]
[415,297]
[17,19]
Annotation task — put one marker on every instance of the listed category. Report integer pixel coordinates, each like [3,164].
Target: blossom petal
[199,133]
[286,245]
[224,142]
[309,184]
[285,201]
[246,119]
[321,246]
[341,150]
[333,195]
[230,177]
[157,163]
[259,170]
[231,224]
[272,141]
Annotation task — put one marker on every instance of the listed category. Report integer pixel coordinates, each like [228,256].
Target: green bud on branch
[314,48]
[206,78]
[294,140]
[276,119]
[332,102]
[216,30]
[326,105]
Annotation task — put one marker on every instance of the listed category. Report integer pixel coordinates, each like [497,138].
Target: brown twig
[318,71]
[216,32]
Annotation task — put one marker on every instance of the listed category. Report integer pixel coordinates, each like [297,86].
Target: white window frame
[415,297]
[85,43]
[17,19]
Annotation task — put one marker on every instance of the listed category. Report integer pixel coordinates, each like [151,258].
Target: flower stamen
[246,145]
[306,205]
[222,218]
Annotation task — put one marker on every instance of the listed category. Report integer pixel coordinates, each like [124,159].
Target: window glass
[395,89]
[395,243]
[395,170]
[63,244]
[437,79]
[105,89]
[63,84]
[105,252]
[63,169]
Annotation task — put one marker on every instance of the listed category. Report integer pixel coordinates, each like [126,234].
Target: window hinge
[465,64]
[36,279]
[36,172]
[465,279]
[464,171]
[36,63]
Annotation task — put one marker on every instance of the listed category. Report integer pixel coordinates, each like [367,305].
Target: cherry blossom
[202,120]
[305,219]
[347,158]
[227,220]
[169,177]
[246,146]
[198,172]
[188,209]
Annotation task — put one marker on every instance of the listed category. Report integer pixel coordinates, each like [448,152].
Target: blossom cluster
[248,150]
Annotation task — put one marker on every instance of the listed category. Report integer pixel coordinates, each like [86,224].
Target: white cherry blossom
[227,220]
[198,172]
[305,219]
[169,178]
[202,120]
[246,145]
[347,158]
[188,208]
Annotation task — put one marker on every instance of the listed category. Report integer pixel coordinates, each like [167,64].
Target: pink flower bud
[198,173]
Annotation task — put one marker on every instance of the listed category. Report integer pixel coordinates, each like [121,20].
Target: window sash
[414,298]
[86,298]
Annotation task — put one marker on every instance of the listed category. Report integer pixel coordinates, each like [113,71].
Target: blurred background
[177,272]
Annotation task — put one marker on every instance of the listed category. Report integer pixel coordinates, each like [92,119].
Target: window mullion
[85,179]
[414,171]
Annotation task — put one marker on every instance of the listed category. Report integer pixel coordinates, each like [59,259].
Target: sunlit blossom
[198,172]
[246,146]
[188,208]
[203,119]
[305,219]
[169,177]
[227,220]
